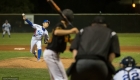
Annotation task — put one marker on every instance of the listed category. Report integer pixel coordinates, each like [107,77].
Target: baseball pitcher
[128,71]
[39,33]
[6,27]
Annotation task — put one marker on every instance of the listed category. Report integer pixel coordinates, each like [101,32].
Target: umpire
[94,49]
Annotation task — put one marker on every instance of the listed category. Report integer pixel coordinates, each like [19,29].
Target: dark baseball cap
[99,19]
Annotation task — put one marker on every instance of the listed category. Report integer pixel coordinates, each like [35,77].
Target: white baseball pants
[35,42]
[6,30]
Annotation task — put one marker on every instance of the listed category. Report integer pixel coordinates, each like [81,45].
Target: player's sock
[39,54]
[2,35]
[9,36]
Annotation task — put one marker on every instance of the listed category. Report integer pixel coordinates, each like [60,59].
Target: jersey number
[134,76]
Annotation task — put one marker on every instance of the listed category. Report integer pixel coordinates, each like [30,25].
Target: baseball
[23,14]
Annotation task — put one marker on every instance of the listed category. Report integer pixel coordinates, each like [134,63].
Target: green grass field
[42,74]
[126,39]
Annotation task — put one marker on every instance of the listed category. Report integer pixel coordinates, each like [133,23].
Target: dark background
[112,10]
[119,23]
[78,6]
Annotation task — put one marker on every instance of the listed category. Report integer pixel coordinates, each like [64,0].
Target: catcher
[128,70]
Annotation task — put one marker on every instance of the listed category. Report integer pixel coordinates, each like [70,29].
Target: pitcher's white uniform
[134,74]
[37,37]
[40,31]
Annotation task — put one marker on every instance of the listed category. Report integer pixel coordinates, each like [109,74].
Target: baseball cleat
[35,54]
[38,60]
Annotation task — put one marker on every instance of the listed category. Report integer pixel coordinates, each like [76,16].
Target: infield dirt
[31,62]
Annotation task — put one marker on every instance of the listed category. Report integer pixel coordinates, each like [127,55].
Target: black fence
[121,23]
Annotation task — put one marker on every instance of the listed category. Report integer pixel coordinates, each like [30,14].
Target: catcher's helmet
[69,14]
[128,62]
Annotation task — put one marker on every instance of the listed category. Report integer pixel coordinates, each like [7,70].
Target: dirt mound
[29,62]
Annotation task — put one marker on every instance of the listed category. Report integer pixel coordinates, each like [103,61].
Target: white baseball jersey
[6,26]
[39,31]
[134,74]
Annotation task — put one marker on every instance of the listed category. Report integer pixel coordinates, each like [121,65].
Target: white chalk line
[19,48]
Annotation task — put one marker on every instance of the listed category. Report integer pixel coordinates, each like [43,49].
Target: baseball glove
[46,39]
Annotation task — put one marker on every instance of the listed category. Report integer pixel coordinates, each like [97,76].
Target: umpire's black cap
[99,20]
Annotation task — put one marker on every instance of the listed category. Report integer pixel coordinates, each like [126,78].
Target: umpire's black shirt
[96,40]
[58,43]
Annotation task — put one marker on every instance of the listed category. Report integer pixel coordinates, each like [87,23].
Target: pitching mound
[29,62]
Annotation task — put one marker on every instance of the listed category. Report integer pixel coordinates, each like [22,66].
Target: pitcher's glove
[45,41]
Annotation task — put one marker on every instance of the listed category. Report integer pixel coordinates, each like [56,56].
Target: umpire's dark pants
[90,70]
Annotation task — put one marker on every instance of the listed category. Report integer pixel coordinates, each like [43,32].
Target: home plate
[19,48]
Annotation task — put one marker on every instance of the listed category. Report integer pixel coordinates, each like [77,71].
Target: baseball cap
[99,19]
[46,21]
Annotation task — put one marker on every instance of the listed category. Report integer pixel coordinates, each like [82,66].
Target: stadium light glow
[133,5]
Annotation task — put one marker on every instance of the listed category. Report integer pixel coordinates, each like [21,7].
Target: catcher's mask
[69,14]
[128,62]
